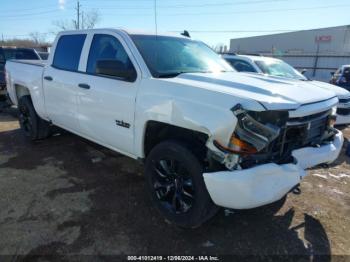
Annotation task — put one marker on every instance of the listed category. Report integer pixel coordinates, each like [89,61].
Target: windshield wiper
[175,74]
[170,75]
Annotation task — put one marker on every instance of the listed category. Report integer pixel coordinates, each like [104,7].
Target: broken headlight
[256,129]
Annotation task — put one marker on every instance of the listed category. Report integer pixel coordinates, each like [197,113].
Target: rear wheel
[175,181]
[31,124]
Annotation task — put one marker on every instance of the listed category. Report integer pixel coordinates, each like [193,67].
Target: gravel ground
[67,196]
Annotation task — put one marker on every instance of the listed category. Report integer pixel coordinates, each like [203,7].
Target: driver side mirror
[303,72]
[115,68]
[332,73]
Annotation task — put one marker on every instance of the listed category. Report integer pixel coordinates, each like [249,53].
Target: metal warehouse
[320,51]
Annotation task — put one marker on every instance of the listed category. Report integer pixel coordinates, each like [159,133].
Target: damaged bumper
[267,183]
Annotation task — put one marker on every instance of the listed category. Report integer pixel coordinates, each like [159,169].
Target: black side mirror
[332,73]
[303,72]
[115,68]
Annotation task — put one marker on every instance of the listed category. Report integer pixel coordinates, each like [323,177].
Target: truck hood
[340,92]
[274,94]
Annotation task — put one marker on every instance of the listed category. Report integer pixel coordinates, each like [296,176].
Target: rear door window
[68,52]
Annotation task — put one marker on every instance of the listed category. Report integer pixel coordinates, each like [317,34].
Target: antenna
[155,16]
[186,33]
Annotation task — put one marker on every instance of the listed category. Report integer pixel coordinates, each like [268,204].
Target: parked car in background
[208,136]
[7,53]
[43,55]
[341,77]
[280,69]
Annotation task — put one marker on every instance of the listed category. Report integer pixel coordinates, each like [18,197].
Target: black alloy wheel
[173,186]
[176,184]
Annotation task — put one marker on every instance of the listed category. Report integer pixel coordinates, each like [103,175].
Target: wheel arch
[21,91]
[156,132]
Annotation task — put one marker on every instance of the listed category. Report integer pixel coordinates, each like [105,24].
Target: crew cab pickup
[209,137]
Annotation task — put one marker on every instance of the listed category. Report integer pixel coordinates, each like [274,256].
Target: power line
[30,14]
[20,17]
[260,11]
[191,5]
[31,9]
[236,12]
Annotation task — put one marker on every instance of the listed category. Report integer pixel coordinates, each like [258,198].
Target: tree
[88,21]
[38,38]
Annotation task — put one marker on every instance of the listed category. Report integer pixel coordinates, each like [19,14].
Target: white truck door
[106,99]
[61,80]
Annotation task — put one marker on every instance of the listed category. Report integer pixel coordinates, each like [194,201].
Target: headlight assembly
[254,130]
[255,133]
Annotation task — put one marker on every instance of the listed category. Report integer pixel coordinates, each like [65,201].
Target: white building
[320,51]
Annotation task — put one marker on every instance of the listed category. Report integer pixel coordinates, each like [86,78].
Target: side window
[68,51]
[241,66]
[107,51]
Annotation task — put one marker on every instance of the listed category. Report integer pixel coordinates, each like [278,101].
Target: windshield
[279,68]
[170,56]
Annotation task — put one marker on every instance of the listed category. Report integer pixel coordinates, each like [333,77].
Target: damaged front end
[271,136]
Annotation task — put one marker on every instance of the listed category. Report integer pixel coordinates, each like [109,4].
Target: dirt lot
[68,196]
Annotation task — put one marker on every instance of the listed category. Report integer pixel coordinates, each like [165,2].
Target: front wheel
[175,181]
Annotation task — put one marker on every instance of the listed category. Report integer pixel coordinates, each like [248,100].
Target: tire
[31,124]
[175,182]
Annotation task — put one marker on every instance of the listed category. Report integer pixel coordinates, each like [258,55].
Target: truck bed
[28,74]
[41,63]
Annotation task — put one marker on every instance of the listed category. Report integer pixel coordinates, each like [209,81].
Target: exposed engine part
[231,162]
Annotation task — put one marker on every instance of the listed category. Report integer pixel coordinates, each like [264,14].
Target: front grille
[297,133]
[343,111]
[300,132]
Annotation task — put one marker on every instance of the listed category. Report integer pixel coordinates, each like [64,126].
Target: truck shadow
[122,220]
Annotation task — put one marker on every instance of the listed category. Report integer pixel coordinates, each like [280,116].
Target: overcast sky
[213,21]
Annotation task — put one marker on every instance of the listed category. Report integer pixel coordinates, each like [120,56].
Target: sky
[212,21]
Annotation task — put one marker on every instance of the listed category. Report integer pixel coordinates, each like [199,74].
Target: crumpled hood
[340,92]
[274,94]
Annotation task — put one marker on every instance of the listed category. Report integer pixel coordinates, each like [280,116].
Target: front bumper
[265,184]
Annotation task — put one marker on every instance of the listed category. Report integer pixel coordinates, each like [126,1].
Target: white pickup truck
[209,136]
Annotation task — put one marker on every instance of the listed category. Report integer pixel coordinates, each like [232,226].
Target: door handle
[48,78]
[84,86]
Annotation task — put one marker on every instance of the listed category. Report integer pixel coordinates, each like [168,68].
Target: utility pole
[78,15]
